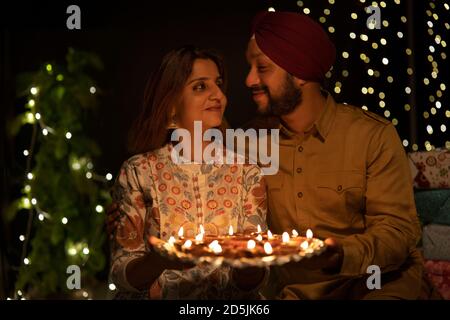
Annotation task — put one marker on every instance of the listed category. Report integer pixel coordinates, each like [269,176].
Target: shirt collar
[323,123]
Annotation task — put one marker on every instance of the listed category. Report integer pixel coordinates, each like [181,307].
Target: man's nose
[252,78]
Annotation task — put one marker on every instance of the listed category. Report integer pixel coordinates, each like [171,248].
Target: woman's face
[202,98]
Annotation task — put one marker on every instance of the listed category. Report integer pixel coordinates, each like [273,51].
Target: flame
[269,235]
[213,244]
[309,234]
[304,245]
[217,249]
[294,233]
[259,237]
[187,244]
[180,232]
[285,237]
[199,237]
[259,229]
[230,230]
[202,230]
[268,248]
[171,240]
[251,244]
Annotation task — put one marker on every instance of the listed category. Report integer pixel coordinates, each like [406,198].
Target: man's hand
[329,261]
[248,278]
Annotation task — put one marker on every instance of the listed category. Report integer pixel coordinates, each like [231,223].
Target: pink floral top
[156,197]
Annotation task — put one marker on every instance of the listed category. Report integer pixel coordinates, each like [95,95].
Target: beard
[285,102]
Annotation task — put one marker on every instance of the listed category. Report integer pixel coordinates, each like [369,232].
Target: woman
[155,196]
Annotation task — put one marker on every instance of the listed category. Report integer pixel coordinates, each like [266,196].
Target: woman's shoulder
[148,158]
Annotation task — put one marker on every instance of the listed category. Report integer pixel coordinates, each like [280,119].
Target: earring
[173,123]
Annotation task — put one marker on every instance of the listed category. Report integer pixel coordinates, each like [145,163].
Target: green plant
[62,194]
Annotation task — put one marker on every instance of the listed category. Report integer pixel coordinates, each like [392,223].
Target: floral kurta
[156,196]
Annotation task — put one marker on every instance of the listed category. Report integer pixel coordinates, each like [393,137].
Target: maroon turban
[295,42]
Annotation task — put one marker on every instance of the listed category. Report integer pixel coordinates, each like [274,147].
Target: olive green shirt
[347,178]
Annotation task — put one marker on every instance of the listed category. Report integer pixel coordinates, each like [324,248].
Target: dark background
[131,38]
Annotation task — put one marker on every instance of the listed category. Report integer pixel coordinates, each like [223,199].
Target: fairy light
[92,90]
[112,286]
[99,208]
[26,153]
[109,176]
[68,135]
[64,220]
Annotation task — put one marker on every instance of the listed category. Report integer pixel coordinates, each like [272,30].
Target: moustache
[259,89]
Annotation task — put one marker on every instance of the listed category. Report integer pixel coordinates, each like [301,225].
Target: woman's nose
[216,93]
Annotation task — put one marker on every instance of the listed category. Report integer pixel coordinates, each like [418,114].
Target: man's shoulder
[354,113]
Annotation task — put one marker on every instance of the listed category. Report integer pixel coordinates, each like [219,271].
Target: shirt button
[339,188]
[300,194]
[300,149]
[299,170]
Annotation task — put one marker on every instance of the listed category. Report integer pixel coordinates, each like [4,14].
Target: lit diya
[240,250]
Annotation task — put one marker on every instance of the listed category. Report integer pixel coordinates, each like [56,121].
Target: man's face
[274,90]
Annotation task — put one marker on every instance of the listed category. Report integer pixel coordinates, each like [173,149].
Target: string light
[34,91]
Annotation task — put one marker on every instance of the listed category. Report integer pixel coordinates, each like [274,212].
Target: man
[343,172]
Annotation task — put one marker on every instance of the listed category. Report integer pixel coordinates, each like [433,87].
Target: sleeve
[125,224]
[254,209]
[254,206]
[392,225]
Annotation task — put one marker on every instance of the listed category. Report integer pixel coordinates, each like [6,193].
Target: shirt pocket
[340,192]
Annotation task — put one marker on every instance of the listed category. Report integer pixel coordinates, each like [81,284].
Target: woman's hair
[163,91]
